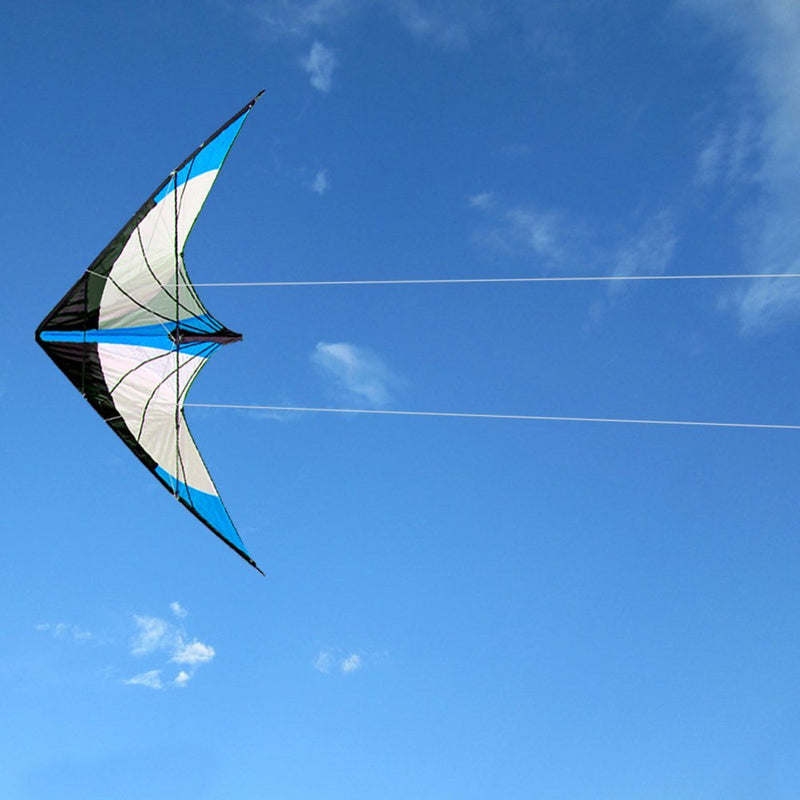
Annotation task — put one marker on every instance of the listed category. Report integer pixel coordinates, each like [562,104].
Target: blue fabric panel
[208,507]
[210,157]
[205,323]
[145,336]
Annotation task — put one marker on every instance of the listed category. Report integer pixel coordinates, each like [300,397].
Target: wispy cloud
[152,633]
[729,156]
[767,33]
[324,661]
[178,610]
[320,184]
[301,17]
[63,630]
[765,304]
[649,250]
[482,200]
[357,373]
[551,241]
[351,663]
[153,639]
[538,231]
[150,679]
[193,653]
[319,64]
[545,234]
[330,660]
[156,635]
[182,678]
[447,24]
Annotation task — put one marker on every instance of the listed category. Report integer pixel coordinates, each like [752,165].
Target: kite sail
[132,333]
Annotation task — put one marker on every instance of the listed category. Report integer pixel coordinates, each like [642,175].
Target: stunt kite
[132,333]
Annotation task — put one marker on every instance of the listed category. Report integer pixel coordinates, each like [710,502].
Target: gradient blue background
[452,608]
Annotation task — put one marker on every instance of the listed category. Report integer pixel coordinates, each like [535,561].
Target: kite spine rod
[537,417]
[540,279]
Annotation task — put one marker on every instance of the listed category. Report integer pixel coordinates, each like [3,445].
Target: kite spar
[132,333]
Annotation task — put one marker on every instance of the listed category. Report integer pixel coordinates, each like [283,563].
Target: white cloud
[319,64]
[710,160]
[329,659]
[649,251]
[152,634]
[767,33]
[482,200]
[357,372]
[351,663]
[320,184]
[766,303]
[727,154]
[182,679]
[568,245]
[178,610]
[154,639]
[193,653]
[525,229]
[157,635]
[150,679]
[560,244]
[323,662]
[448,24]
[300,17]
[537,230]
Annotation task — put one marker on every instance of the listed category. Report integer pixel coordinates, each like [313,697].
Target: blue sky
[453,607]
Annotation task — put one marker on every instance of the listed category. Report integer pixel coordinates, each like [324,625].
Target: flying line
[536,417]
[537,279]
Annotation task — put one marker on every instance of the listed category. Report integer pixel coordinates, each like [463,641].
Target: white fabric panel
[153,245]
[147,391]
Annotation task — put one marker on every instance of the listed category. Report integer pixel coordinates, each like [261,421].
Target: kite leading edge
[132,333]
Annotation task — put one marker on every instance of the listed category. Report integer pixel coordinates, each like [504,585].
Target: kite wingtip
[255,566]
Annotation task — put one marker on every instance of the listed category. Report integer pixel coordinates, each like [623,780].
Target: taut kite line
[132,334]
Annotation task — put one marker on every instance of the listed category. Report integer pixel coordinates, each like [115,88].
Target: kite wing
[132,334]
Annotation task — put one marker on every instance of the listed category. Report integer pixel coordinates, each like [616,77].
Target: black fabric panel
[119,427]
[69,313]
[79,309]
[81,364]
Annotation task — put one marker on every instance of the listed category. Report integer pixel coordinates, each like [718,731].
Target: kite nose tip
[223,336]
